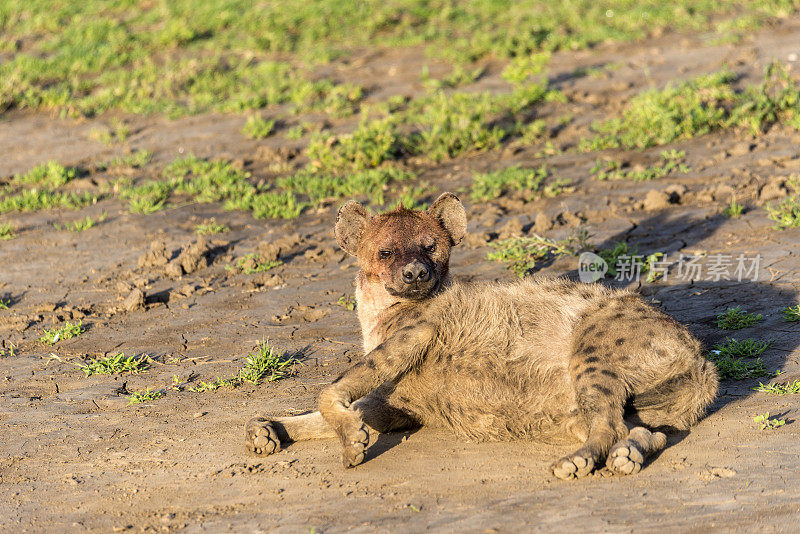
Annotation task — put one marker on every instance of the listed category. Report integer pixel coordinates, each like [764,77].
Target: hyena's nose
[416,272]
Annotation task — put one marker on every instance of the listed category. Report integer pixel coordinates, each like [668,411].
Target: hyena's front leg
[266,435]
[387,362]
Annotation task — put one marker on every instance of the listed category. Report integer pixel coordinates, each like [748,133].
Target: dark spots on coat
[591,349]
[650,332]
[610,374]
[618,315]
[601,305]
[602,389]
[619,341]
[590,370]
[661,353]
[371,364]
[592,359]
[601,333]
[589,328]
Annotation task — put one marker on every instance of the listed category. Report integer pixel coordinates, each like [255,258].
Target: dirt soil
[76,457]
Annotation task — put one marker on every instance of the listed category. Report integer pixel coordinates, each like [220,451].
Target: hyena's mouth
[417,291]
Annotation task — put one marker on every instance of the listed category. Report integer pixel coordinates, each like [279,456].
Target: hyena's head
[408,251]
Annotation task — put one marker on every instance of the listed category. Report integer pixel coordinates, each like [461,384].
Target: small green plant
[52,336]
[257,127]
[117,132]
[253,263]
[788,388]
[147,198]
[267,363]
[613,170]
[736,319]
[490,185]
[116,364]
[521,254]
[81,224]
[210,226]
[5,304]
[746,348]
[791,314]
[622,255]
[49,175]
[36,199]
[733,210]
[7,231]
[347,302]
[8,352]
[145,395]
[764,422]
[135,160]
[740,369]
[787,213]
[264,363]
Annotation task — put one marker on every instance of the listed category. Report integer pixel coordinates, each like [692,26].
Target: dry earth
[75,457]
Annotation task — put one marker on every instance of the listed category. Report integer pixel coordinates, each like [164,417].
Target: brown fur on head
[407,251]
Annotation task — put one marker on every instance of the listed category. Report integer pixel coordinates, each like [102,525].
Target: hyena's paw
[627,456]
[355,438]
[260,436]
[576,465]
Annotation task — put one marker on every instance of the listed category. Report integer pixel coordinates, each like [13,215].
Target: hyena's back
[509,360]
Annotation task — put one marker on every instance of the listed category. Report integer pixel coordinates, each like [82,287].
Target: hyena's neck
[372,303]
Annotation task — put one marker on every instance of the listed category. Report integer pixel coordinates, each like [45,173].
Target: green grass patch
[264,363]
[700,106]
[791,314]
[613,169]
[7,231]
[522,254]
[51,336]
[788,388]
[736,319]
[733,210]
[764,422]
[116,133]
[146,395]
[370,183]
[5,304]
[786,213]
[253,263]
[116,364]
[257,127]
[210,227]
[490,185]
[746,348]
[36,200]
[47,175]
[147,198]
[134,160]
[81,224]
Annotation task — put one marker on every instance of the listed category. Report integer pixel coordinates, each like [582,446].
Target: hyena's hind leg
[266,435]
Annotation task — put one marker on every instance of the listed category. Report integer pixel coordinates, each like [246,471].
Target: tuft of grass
[35,200]
[268,205]
[210,226]
[613,170]
[145,395]
[787,213]
[116,364]
[257,127]
[347,302]
[5,304]
[733,210]
[116,132]
[48,175]
[791,314]
[788,388]
[764,422]
[736,319]
[369,145]
[371,183]
[52,336]
[490,185]
[7,231]
[253,263]
[746,348]
[263,363]
[8,352]
[740,369]
[148,197]
[135,160]
[522,254]
[81,224]
[700,106]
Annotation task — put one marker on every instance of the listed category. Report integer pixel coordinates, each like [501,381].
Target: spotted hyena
[539,358]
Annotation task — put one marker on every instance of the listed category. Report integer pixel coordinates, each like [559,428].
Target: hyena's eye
[385,254]
[430,248]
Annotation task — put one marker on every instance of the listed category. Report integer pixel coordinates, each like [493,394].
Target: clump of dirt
[191,259]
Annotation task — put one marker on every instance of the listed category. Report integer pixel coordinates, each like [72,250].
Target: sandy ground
[75,457]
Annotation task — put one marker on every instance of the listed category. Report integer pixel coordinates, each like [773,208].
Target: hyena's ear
[449,210]
[350,224]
